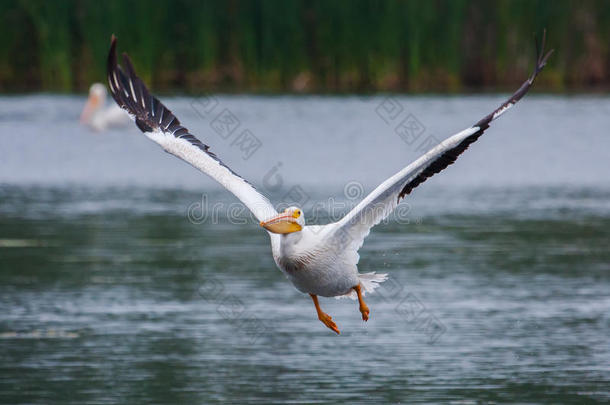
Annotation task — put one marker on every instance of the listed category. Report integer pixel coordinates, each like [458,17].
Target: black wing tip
[131,72]
[123,93]
[111,65]
[541,60]
[541,56]
[449,157]
[112,53]
[131,94]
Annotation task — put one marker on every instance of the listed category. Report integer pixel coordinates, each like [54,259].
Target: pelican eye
[296,214]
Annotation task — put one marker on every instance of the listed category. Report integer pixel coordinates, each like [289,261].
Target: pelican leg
[324,317]
[364,310]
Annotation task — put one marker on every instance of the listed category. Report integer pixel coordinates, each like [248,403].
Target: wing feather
[355,226]
[159,124]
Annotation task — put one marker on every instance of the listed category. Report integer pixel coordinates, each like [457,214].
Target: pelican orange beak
[92,104]
[282,223]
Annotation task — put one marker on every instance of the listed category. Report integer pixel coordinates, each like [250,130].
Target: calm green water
[116,291]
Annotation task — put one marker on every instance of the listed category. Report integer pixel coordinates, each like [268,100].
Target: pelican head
[289,221]
[97,97]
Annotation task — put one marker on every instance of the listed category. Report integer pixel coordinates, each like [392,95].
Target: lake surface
[128,277]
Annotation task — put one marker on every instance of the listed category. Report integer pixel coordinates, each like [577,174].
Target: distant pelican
[99,117]
[318,259]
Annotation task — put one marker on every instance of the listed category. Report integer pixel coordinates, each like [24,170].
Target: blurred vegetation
[305,45]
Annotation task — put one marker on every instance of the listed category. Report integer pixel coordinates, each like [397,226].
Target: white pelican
[318,259]
[99,117]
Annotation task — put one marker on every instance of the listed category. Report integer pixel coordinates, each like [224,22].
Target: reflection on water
[498,291]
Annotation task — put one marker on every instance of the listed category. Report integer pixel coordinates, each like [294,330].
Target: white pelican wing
[160,125]
[355,226]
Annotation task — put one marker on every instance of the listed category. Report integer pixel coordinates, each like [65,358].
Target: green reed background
[308,45]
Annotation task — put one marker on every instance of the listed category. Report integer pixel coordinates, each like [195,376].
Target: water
[123,278]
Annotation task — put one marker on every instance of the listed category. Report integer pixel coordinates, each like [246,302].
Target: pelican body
[315,265]
[319,260]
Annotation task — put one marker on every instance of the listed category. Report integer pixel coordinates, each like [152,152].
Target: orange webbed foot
[364,310]
[328,321]
[323,316]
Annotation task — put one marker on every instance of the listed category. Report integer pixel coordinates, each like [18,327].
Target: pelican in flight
[320,260]
[97,115]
